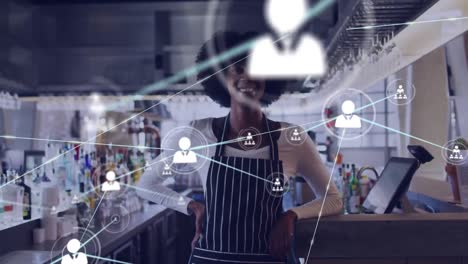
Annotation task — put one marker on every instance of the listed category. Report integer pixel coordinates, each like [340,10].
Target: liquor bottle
[130,165]
[103,165]
[348,171]
[14,195]
[87,172]
[345,188]
[26,197]
[81,180]
[110,160]
[122,170]
[339,182]
[354,193]
[2,207]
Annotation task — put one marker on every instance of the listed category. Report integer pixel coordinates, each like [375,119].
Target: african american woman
[241,221]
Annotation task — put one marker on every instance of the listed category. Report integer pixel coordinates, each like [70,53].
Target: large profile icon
[111,184]
[348,119]
[74,256]
[83,246]
[185,155]
[302,54]
[185,151]
[350,114]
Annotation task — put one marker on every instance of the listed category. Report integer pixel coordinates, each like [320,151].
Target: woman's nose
[240,69]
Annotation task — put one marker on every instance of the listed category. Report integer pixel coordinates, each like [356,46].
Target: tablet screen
[392,184]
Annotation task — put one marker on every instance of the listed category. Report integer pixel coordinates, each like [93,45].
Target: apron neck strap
[271,135]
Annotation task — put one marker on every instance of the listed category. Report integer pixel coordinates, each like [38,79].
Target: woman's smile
[247,87]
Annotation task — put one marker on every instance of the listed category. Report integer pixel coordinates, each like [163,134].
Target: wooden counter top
[395,217]
[392,235]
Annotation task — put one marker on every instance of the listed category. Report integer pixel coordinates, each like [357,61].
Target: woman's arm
[312,169]
[150,187]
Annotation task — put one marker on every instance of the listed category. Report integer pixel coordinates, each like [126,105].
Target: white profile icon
[74,257]
[110,184]
[295,135]
[401,94]
[277,186]
[75,199]
[181,201]
[303,55]
[249,141]
[184,155]
[348,119]
[167,170]
[456,153]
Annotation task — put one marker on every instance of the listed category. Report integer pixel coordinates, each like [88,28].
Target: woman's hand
[198,210]
[282,234]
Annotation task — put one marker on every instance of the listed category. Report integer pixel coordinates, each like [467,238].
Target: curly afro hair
[214,85]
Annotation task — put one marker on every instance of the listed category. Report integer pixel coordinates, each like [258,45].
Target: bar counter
[159,235]
[414,238]
[396,237]
[154,235]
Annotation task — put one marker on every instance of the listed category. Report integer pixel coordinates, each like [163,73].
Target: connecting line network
[222,57]
[320,123]
[89,240]
[313,12]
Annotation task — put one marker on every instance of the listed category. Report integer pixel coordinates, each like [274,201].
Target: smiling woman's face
[243,89]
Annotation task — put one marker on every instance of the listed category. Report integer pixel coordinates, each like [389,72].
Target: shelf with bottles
[75,172]
[353,185]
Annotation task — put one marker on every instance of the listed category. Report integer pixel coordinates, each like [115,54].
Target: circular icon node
[295,135]
[115,219]
[249,138]
[114,184]
[350,114]
[118,221]
[399,93]
[278,184]
[185,150]
[455,152]
[167,170]
[77,248]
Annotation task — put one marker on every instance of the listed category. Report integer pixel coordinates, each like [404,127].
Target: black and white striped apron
[240,212]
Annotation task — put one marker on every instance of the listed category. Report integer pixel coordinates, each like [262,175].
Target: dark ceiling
[62,2]
[331,26]
[372,12]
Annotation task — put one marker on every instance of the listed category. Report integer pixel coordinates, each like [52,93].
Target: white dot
[184,143]
[110,176]
[73,245]
[348,107]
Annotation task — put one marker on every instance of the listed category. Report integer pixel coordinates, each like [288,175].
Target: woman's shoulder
[205,126]
[290,131]
[201,124]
